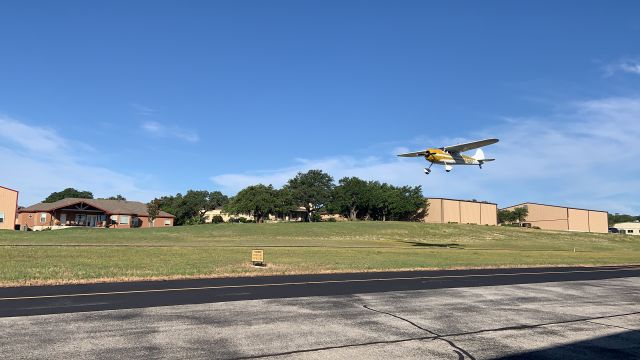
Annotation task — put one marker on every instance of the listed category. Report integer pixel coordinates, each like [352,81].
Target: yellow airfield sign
[257,257]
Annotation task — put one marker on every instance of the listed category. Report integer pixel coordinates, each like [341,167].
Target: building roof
[471,201]
[558,206]
[124,207]
[633,225]
[6,188]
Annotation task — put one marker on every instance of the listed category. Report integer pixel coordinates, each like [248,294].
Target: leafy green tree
[216,200]
[285,204]
[68,193]
[153,209]
[520,213]
[117,197]
[257,200]
[505,216]
[620,218]
[407,203]
[190,208]
[379,200]
[351,195]
[516,215]
[312,190]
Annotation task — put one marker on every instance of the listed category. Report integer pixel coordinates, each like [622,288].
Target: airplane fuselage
[441,157]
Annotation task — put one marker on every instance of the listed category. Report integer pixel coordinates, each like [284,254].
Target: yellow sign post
[257,257]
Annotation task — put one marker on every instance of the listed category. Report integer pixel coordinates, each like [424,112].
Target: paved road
[569,313]
[75,298]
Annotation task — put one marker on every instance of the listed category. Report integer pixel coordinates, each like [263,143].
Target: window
[1,217]
[629,231]
[124,220]
[43,218]
[167,222]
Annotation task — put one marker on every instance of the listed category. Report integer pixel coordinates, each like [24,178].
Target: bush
[332,220]
[217,219]
[315,217]
[242,220]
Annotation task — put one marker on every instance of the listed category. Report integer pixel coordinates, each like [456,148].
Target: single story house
[628,228]
[298,214]
[90,213]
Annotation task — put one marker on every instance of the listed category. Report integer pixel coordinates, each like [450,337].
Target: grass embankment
[91,255]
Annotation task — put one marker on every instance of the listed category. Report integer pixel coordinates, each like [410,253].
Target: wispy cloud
[37,161]
[160,130]
[627,65]
[585,155]
[36,139]
[143,109]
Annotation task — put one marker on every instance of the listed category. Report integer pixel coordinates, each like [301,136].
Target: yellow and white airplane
[452,155]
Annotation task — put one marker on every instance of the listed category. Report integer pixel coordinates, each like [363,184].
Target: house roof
[109,206]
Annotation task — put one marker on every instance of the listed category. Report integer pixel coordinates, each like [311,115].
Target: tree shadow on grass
[434,245]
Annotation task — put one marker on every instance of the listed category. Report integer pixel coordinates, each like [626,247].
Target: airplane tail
[479,155]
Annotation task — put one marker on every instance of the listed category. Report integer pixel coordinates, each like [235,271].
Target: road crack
[462,353]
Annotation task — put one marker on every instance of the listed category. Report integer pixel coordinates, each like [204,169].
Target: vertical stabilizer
[479,155]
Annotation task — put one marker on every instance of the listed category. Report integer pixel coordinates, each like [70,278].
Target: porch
[80,214]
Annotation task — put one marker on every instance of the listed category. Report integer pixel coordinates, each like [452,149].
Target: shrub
[332,220]
[315,217]
[217,219]
[242,220]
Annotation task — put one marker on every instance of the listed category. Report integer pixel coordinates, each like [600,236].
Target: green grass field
[93,255]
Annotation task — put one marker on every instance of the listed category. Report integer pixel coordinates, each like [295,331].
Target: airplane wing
[469,146]
[414,154]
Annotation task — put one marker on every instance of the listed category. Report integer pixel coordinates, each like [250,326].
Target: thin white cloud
[37,161]
[628,65]
[39,139]
[585,156]
[165,131]
[143,109]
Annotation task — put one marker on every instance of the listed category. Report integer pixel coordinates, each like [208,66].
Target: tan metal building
[553,217]
[443,211]
[8,208]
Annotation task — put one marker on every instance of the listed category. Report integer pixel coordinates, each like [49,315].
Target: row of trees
[620,218]
[73,193]
[314,190]
[190,208]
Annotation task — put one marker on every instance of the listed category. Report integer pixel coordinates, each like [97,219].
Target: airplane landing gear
[427,170]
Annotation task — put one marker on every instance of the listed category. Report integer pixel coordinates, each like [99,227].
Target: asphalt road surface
[563,313]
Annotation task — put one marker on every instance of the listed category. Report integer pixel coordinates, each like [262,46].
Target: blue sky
[150,98]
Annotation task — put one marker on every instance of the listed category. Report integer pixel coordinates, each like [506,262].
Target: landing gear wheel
[427,171]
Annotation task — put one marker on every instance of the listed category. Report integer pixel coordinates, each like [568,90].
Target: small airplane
[452,155]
